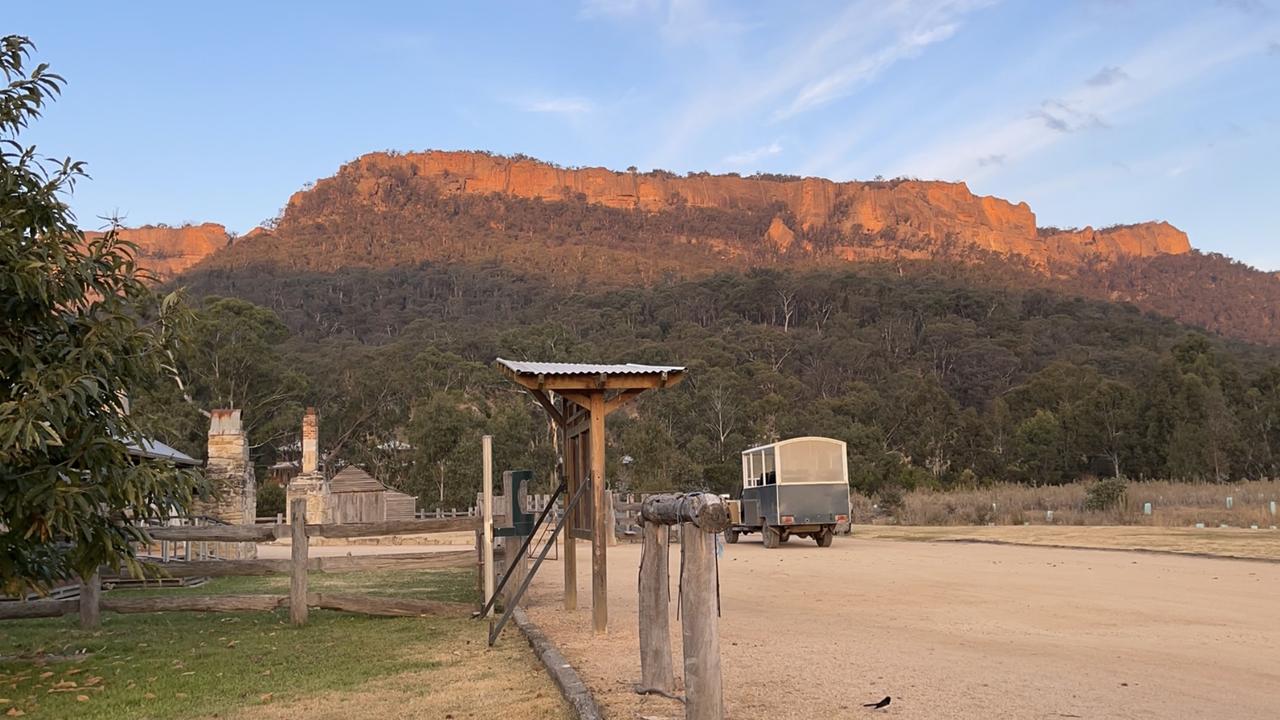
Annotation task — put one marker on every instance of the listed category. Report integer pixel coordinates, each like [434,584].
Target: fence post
[612,519]
[298,570]
[90,595]
[486,528]
[700,625]
[656,672]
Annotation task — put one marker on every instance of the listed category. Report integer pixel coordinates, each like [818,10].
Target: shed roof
[353,479]
[523,367]
[156,450]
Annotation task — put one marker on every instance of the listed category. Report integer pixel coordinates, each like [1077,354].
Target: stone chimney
[310,484]
[230,475]
[310,441]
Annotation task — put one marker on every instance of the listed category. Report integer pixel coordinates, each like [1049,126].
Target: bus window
[769,468]
[813,461]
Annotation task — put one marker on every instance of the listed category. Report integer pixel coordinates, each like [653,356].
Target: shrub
[890,499]
[270,500]
[1105,494]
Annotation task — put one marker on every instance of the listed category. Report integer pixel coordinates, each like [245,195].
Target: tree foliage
[928,379]
[79,332]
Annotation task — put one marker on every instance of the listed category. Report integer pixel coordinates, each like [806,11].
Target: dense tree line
[931,380]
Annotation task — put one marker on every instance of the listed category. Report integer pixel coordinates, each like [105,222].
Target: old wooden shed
[355,496]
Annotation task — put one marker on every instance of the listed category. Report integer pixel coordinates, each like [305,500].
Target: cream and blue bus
[792,487]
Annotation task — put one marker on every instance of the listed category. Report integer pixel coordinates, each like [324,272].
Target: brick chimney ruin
[310,442]
[310,483]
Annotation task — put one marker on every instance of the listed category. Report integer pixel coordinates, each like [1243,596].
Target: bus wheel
[783,536]
[731,535]
[824,537]
[772,538]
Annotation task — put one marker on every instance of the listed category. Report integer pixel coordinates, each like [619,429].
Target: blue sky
[1093,111]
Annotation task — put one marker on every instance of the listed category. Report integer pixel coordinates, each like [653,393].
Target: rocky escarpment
[583,229]
[914,213]
[166,252]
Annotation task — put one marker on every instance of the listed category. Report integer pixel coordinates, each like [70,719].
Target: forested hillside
[943,335]
[592,228]
[931,378]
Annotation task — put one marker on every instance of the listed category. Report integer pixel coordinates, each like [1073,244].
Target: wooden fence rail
[297,567]
[267,533]
[383,607]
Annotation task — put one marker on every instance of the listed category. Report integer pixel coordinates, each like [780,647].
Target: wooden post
[486,444]
[520,568]
[298,570]
[700,625]
[656,672]
[612,519]
[90,597]
[570,542]
[599,521]
[703,510]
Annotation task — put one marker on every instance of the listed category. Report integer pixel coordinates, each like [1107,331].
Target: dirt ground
[952,630]
[1227,542]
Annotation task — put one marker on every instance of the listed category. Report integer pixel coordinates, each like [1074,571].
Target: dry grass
[1174,504]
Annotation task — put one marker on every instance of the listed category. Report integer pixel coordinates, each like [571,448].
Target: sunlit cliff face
[912,208]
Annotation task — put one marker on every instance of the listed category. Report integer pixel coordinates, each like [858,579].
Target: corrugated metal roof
[353,479]
[555,368]
[156,450]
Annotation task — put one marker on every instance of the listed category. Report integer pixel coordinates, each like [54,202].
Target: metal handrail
[539,539]
[496,629]
[524,547]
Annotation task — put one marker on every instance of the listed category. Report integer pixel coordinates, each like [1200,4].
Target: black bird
[882,704]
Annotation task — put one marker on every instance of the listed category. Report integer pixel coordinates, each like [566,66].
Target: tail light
[842,518]
[788,519]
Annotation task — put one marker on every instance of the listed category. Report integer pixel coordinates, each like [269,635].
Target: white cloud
[818,65]
[1164,65]
[616,8]
[677,21]
[844,80]
[1108,76]
[754,155]
[559,106]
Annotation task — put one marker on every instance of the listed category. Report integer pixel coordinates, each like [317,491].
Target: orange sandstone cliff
[913,213]
[168,251]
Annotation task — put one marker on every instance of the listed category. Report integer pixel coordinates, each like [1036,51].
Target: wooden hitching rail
[297,568]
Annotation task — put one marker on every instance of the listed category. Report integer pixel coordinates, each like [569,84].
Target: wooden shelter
[356,497]
[578,397]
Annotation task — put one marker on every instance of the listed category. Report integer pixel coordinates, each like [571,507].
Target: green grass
[177,665]
[445,585]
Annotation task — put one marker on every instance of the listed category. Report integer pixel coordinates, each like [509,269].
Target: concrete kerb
[566,678]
